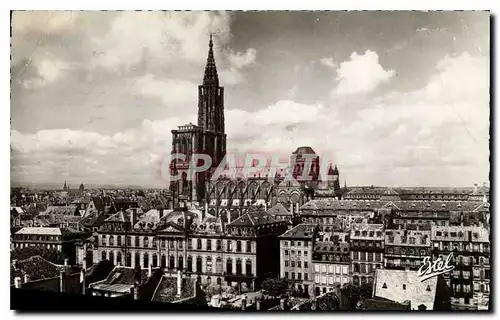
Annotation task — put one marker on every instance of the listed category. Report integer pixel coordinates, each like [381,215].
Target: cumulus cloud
[328,62]
[361,74]
[442,125]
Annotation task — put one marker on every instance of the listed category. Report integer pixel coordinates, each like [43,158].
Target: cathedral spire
[210,77]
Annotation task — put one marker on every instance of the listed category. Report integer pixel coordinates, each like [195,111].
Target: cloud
[170,91]
[328,62]
[361,74]
[282,127]
[445,124]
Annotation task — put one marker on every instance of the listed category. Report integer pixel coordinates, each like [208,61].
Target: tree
[355,293]
[51,254]
[275,287]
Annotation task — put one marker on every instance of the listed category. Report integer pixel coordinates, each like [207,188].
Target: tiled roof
[382,304]
[36,267]
[124,215]
[397,235]
[121,279]
[430,190]
[367,190]
[403,285]
[333,204]
[330,247]
[56,219]
[368,228]
[180,217]
[150,219]
[42,231]
[301,231]
[253,217]
[167,289]
[461,233]
[278,210]
[66,210]
[434,205]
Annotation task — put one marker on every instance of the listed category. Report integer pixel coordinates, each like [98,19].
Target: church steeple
[211,77]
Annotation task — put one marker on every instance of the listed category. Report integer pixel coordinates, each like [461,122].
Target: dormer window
[428,288]
[404,286]
[384,286]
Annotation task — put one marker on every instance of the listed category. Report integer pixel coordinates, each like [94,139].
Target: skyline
[401,106]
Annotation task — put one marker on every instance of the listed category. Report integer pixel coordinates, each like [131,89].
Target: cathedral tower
[208,137]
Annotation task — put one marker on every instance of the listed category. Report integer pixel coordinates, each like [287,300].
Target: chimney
[297,208]
[150,271]
[118,264]
[17,282]
[135,289]
[66,262]
[161,213]
[14,264]
[84,261]
[62,281]
[283,304]
[265,206]
[228,216]
[26,278]
[257,303]
[485,199]
[291,208]
[244,302]
[179,283]
[133,216]
[475,187]
[314,304]
[82,280]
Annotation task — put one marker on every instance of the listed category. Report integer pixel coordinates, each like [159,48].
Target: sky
[394,98]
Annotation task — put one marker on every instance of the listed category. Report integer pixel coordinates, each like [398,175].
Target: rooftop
[405,285]
[301,231]
[166,291]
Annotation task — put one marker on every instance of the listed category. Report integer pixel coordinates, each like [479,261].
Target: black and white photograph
[250,161]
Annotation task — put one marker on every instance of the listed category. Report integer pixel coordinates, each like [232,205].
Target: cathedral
[208,137]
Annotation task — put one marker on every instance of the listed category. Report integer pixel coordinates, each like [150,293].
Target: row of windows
[485,288]
[461,246]
[366,256]
[207,266]
[297,276]
[423,240]
[333,269]
[330,279]
[296,263]
[293,253]
[24,245]
[191,244]
[367,233]
[410,252]
[37,238]
[365,268]
[296,243]
[369,244]
[414,221]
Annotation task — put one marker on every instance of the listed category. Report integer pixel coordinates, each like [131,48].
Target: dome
[304,150]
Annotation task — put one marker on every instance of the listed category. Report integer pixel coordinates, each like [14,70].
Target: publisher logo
[431,269]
